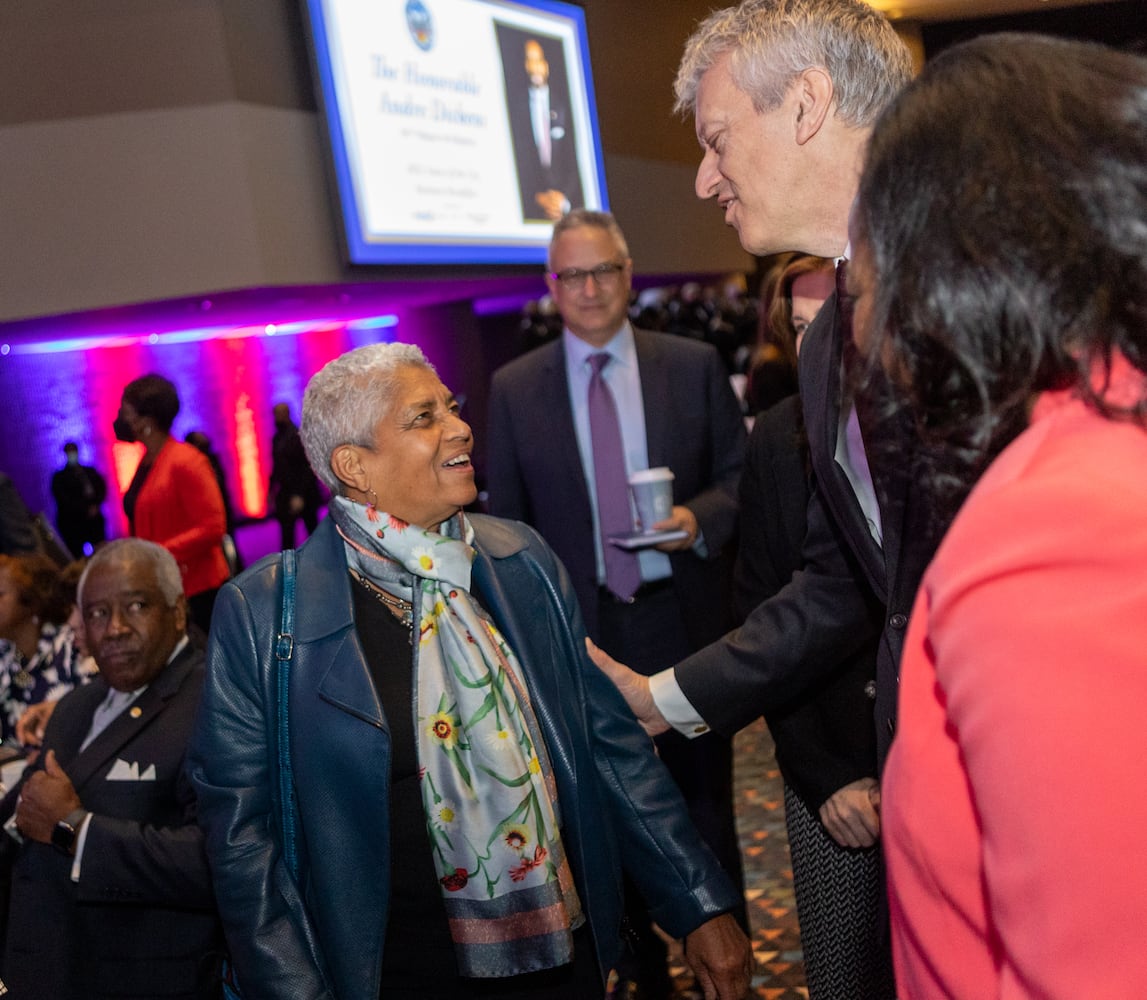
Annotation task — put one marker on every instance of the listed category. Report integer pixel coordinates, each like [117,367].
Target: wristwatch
[64,832]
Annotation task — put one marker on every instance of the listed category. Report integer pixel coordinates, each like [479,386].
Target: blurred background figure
[791,295]
[69,580]
[825,740]
[197,439]
[293,491]
[79,491]
[38,657]
[16,531]
[32,722]
[174,498]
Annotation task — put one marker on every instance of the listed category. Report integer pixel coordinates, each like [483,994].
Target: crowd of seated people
[41,652]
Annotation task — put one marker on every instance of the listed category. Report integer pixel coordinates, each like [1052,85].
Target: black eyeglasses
[604,276]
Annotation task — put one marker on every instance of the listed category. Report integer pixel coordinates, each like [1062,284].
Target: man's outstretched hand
[634,688]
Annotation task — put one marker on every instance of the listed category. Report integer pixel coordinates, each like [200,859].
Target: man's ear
[346,464]
[815,93]
[181,614]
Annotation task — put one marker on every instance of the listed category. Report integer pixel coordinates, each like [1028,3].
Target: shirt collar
[113,694]
[620,346]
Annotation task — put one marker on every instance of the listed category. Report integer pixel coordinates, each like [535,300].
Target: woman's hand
[31,725]
[851,815]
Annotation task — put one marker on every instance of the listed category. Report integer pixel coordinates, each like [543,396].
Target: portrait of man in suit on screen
[541,124]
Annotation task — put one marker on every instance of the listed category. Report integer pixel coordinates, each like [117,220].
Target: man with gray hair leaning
[111,895]
[784,95]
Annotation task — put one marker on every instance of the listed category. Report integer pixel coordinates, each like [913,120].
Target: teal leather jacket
[323,937]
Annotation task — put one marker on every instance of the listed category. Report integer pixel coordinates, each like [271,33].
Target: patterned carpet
[779,973]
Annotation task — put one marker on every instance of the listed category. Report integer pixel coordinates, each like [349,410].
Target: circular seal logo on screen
[420,24]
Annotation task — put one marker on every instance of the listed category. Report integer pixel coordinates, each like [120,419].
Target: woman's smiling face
[420,464]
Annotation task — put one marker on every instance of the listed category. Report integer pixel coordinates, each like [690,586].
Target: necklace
[23,676]
[402,610]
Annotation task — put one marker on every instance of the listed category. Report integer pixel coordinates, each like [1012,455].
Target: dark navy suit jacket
[141,920]
[825,612]
[692,425]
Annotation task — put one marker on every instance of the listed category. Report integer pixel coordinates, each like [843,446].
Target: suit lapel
[655,388]
[904,510]
[324,630]
[820,389]
[556,422]
[127,726]
[68,741]
[820,383]
[346,683]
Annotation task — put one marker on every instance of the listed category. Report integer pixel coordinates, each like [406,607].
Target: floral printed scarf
[487,786]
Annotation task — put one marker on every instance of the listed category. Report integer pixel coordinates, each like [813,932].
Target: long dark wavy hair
[1004,208]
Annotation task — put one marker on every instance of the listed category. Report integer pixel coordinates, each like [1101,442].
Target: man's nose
[707,176]
[117,622]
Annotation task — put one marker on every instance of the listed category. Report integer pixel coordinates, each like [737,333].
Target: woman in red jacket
[173,498]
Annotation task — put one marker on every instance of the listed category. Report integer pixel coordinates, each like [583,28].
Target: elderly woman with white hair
[467,786]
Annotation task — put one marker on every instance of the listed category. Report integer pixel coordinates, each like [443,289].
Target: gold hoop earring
[371,505]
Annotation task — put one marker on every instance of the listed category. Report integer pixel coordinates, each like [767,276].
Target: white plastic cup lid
[662,474]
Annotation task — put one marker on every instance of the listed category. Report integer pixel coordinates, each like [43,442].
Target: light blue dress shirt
[624,381]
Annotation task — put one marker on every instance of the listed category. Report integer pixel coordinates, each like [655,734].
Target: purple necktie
[622,573]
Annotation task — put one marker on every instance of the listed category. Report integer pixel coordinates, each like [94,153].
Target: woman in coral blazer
[174,498]
[1000,275]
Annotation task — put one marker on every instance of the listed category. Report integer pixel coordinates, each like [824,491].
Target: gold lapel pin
[135,712]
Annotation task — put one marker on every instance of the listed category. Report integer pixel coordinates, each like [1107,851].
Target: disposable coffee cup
[652,491]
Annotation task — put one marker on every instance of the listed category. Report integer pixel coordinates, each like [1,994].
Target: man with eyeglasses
[548,463]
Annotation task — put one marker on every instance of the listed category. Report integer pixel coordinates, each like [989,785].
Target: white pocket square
[123,771]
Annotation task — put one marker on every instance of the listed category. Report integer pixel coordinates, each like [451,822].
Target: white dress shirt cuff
[672,703]
[81,839]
